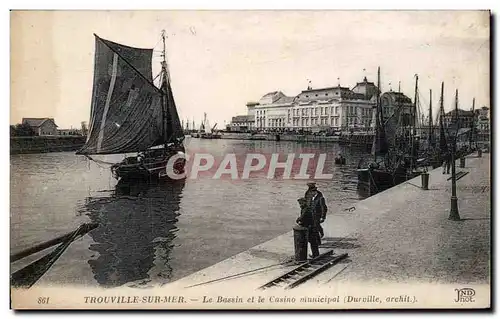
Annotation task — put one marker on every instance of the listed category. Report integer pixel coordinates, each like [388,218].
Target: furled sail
[393,126]
[443,143]
[380,146]
[173,127]
[126,109]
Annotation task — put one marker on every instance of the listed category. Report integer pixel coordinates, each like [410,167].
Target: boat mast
[377,116]
[431,129]
[164,90]
[442,136]
[414,120]
[473,124]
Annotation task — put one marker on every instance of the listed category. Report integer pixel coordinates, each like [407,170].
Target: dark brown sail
[126,108]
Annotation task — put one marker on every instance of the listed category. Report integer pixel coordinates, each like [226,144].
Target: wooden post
[300,242]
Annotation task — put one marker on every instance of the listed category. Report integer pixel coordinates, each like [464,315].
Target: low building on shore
[69,131]
[41,126]
[242,123]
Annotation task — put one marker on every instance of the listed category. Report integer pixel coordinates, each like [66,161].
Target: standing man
[446,162]
[308,220]
[317,202]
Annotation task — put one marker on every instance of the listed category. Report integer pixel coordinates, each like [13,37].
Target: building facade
[41,126]
[271,111]
[465,119]
[69,131]
[241,123]
[483,120]
[324,109]
[393,101]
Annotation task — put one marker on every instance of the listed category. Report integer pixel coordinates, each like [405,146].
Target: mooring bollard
[425,180]
[300,241]
[480,152]
[462,162]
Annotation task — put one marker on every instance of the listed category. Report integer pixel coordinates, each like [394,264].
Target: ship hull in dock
[144,173]
[372,181]
[147,168]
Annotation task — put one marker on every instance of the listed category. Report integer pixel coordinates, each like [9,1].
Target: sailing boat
[443,143]
[129,114]
[389,167]
[209,132]
[435,151]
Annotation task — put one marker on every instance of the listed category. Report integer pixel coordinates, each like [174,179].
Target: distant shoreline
[45,144]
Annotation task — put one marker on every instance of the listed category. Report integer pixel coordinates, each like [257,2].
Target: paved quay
[401,235]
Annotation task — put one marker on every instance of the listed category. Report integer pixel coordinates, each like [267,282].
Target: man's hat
[311,185]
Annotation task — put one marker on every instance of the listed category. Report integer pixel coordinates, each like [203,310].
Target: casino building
[322,109]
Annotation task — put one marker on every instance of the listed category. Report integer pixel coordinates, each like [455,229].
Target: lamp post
[454,215]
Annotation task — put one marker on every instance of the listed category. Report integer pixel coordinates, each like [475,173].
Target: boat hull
[152,169]
[372,181]
[210,136]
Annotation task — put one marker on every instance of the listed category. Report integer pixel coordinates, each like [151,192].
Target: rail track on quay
[305,271]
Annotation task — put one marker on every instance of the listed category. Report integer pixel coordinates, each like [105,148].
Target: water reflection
[135,234]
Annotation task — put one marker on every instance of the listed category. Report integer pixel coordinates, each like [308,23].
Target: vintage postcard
[250,160]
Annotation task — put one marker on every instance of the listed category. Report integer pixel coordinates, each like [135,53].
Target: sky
[220,60]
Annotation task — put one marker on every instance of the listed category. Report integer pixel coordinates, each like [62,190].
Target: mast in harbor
[431,128]
[443,144]
[413,127]
[473,124]
[377,117]
[164,90]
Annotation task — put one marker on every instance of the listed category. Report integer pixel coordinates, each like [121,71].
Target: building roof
[460,113]
[368,89]
[276,97]
[396,97]
[37,122]
[327,89]
[285,99]
[270,94]
[242,118]
[328,93]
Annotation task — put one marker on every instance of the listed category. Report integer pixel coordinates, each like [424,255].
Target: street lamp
[454,215]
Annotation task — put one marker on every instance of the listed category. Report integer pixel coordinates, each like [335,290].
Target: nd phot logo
[465,295]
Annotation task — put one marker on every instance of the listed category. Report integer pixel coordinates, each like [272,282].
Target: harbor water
[154,234]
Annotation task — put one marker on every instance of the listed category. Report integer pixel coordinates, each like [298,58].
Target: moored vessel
[394,161]
[130,115]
